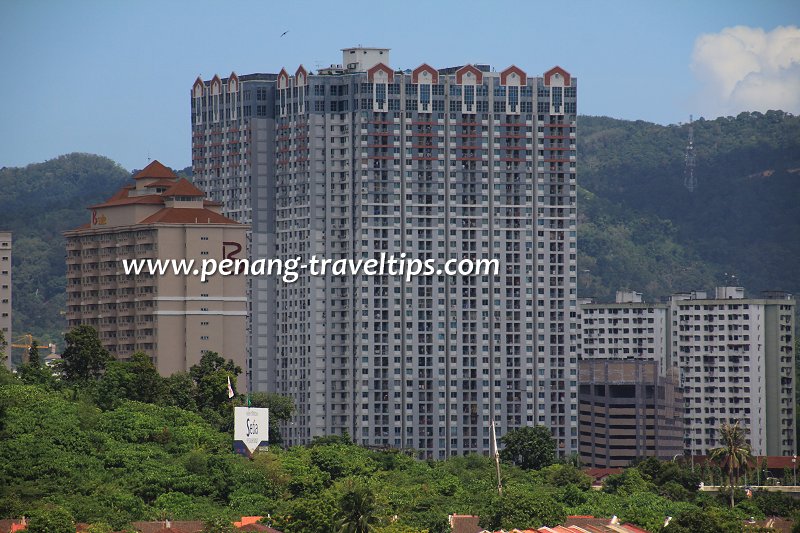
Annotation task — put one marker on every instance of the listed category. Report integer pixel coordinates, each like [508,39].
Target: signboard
[251,427]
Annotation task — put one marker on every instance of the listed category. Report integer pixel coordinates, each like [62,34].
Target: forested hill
[639,227]
[37,203]
[642,229]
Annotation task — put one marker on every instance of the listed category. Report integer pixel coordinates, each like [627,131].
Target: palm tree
[357,509]
[734,454]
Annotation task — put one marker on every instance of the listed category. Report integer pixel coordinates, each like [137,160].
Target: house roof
[161,183]
[124,199]
[599,474]
[581,524]
[155,170]
[464,523]
[182,188]
[175,526]
[177,215]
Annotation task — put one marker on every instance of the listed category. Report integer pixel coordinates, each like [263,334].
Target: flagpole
[496,460]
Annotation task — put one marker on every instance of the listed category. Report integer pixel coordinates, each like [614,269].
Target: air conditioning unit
[352,66]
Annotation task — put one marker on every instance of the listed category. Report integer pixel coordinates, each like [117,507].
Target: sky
[113,77]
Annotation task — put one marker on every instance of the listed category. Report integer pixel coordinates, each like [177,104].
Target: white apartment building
[361,159]
[629,328]
[737,362]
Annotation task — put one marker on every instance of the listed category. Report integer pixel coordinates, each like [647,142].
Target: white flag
[230,389]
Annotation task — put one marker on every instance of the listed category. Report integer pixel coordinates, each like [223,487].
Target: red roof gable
[130,200]
[380,67]
[469,68]
[176,215]
[162,183]
[155,170]
[425,68]
[563,73]
[183,188]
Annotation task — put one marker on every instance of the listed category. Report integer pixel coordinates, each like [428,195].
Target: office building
[5,293]
[172,318]
[737,362]
[361,159]
[630,400]
[629,409]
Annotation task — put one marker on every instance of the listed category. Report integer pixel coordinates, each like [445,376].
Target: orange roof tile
[130,200]
[162,183]
[155,170]
[208,203]
[183,188]
[176,215]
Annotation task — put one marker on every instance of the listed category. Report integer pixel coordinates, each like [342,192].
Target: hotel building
[172,318]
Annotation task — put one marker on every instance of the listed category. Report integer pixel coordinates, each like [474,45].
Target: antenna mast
[689,181]
[496,460]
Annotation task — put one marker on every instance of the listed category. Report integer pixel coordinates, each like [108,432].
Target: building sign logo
[234,248]
[250,427]
[101,220]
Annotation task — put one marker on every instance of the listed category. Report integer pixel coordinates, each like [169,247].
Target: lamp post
[794,467]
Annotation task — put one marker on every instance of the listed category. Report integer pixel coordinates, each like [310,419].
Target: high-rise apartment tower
[361,159]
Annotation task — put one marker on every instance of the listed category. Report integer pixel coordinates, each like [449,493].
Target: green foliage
[628,482]
[61,189]
[710,520]
[524,509]
[744,217]
[51,519]
[84,357]
[210,377]
[357,509]
[127,460]
[529,447]
[136,380]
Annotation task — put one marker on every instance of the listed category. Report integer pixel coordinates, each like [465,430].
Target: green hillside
[129,445]
[37,203]
[639,227]
[743,219]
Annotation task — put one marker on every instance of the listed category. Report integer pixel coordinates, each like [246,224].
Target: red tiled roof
[161,183]
[183,188]
[155,170]
[598,474]
[176,526]
[130,200]
[210,203]
[461,523]
[173,215]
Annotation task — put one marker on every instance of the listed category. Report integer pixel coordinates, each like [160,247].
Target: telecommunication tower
[689,180]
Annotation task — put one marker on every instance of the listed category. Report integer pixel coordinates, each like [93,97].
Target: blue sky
[112,77]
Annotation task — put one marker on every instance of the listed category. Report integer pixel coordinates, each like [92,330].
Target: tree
[33,355]
[32,371]
[734,454]
[51,519]
[137,379]
[357,509]
[218,525]
[210,376]
[524,509]
[280,410]
[529,447]
[84,358]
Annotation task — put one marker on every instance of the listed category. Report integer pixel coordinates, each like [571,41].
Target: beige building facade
[174,318]
[5,291]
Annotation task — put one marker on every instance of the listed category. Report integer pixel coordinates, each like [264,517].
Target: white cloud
[748,69]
